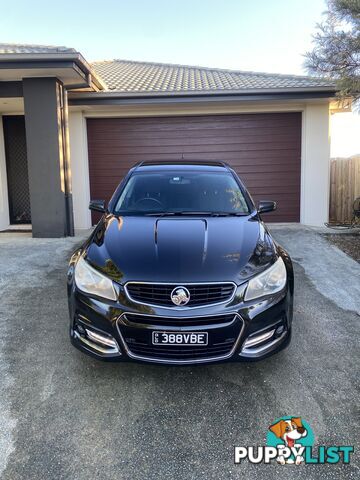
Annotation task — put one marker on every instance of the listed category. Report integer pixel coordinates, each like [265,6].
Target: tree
[336,53]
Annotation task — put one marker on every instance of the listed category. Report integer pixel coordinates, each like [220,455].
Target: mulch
[347,242]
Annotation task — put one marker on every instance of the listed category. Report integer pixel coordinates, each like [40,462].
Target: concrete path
[333,273]
[64,415]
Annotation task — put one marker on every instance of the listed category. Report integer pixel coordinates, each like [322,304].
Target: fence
[344,187]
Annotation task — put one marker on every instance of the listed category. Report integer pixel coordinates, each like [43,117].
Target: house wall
[79,170]
[4,203]
[315,181]
[315,150]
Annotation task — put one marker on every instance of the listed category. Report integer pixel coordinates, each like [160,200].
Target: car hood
[180,249]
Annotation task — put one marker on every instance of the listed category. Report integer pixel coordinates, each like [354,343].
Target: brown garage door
[264,149]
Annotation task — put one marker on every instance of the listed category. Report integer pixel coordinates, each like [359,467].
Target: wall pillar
[80,170]
[315,176]
[46,122]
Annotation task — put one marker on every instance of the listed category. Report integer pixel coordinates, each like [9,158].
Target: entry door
[17,169]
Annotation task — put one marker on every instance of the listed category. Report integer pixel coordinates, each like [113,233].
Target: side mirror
[266,206]
[97,206]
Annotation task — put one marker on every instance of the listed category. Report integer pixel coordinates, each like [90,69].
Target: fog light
[280,329]
[102,343]
[102,339]
[255,340]
[80,329]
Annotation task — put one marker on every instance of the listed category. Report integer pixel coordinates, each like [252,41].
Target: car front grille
[181,353]
[136,331]
[139,319]
[201,294]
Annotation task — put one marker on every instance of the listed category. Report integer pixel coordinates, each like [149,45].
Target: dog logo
[290,440]
[180,296]
[293,434]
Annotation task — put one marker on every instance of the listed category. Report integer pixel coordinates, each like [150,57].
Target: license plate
[180,338]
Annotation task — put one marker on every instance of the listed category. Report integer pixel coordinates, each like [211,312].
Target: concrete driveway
[64,415]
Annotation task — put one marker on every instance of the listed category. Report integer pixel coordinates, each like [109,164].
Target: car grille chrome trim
[154,359]
[200,292]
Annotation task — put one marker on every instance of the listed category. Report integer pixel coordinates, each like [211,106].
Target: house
[69,130]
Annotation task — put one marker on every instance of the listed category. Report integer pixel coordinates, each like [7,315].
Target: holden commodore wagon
[180,270]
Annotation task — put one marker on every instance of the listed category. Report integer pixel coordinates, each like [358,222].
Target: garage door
[264,149]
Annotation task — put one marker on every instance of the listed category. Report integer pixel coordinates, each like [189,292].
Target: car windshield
[181,192]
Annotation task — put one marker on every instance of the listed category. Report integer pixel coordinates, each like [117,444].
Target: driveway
[64,415]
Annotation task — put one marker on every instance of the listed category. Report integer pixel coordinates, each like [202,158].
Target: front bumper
[237,331]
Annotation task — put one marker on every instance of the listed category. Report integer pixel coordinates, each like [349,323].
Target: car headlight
[91,281]
[271,281]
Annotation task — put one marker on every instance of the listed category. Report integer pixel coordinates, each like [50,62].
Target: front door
[17,169]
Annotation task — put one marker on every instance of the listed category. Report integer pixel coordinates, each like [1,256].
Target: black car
[180,270]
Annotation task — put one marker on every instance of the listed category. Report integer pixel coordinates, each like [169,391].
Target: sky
[345,134]
[261,35]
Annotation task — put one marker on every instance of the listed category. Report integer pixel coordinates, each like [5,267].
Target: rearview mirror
[266,206]
[97,206]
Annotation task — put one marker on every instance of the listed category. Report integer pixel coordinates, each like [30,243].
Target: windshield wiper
[229,214]
[158,214]
[185,213]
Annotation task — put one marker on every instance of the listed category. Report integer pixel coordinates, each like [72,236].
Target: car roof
[183,164]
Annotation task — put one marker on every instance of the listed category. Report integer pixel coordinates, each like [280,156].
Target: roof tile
[126,77]
[131,76]
[9,48]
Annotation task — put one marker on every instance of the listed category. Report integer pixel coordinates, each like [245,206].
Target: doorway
[17,169]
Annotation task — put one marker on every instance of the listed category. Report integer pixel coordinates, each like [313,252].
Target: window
[181,191]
